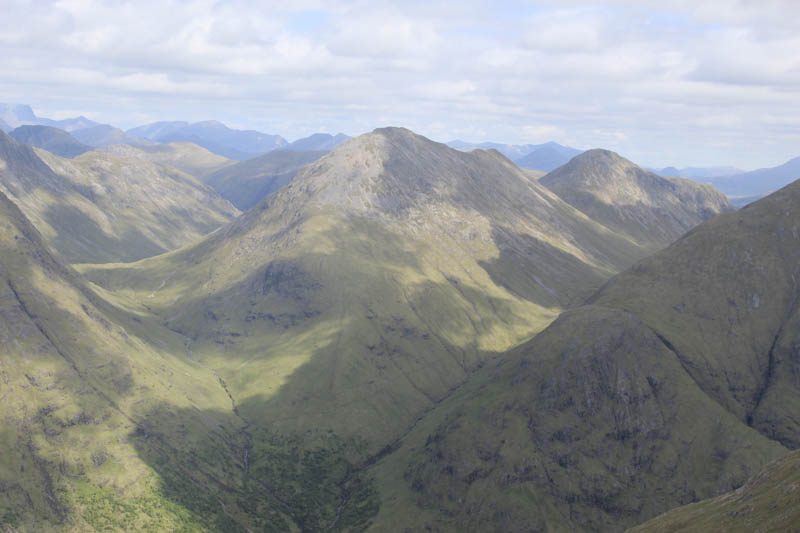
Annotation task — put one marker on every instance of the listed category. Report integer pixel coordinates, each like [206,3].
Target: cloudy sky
[683,82]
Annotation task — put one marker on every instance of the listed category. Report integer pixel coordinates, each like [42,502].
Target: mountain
[698,173]
[213,136]
[676,381]
[652,210]
[769,501]
[551,154]
[318,141]
[157,129]
[389,269]
[99,207]
[110,424]
[51,139]
[15,115]
[5,127]
[105,135]
[246,183]
[759,182]
[187,157]
[547,157]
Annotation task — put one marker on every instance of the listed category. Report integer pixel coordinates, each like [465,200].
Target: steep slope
[213,136]
[358,295]
[547,157]
[650,209]
[100,208]
[105,135]
[248,182]
[676,382]
[758,183]
[318,141]
[769,501]
[110,424]
[53,140]
[188,157]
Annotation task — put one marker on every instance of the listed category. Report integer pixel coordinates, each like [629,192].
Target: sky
[681,82]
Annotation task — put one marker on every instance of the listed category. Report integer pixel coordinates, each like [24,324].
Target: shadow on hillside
[539,272]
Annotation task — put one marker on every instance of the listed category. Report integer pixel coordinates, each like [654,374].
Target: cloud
[681,82]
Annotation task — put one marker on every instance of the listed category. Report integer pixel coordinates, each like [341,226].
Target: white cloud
[682,82]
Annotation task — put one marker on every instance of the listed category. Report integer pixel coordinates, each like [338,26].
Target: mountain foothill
[208,329]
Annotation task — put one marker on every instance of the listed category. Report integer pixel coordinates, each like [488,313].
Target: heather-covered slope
[103,208]
[188,157]
[650,209]
[676,382]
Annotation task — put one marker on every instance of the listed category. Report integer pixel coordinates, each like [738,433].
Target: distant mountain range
[213,136]
[545,157]
[697,173]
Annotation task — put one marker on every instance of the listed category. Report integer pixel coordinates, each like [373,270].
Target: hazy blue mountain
[16,114]
[213,136]
[157,129]
[696,173]
[5,127]
[69,124]
[318,141]
[758,183]
[547,157]
[52,139]
[106,135]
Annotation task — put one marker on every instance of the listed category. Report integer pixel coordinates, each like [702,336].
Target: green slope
[652,210]
[675,383]
[769,501]
[110,422]
[100,207]
[385,273]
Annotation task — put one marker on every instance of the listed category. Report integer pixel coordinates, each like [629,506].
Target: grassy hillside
[769,501]
[676,382]
[385,273]
[111,423]
[100,207]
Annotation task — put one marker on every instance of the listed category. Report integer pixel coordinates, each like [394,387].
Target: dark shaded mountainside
[650,209]
[676,381]
[246,183]
[100,207]
[769,501]
[51,139]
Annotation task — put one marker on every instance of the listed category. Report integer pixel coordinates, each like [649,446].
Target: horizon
[684,85]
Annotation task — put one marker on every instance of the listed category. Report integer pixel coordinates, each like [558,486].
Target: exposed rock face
[651,209]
